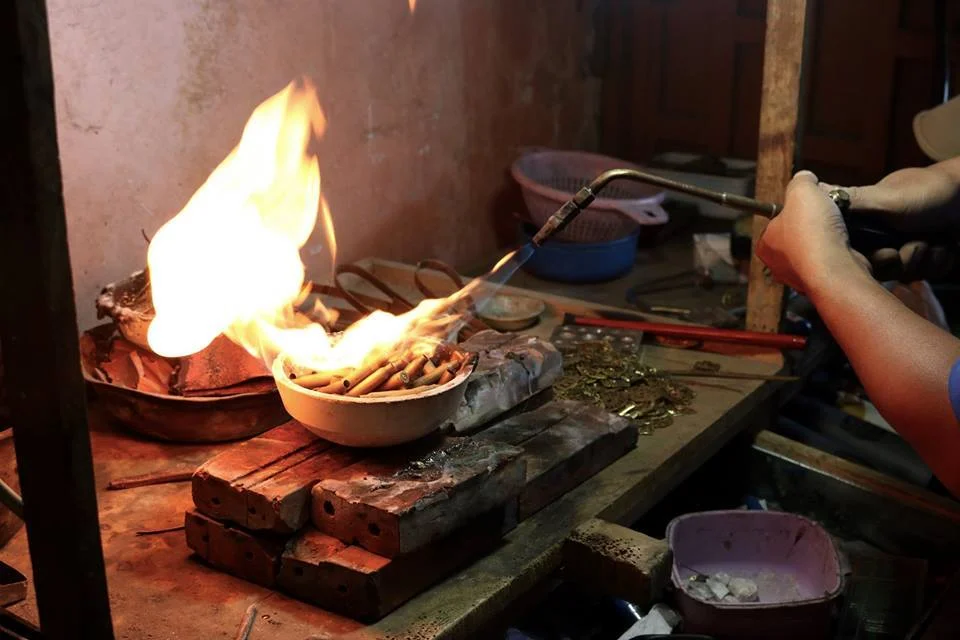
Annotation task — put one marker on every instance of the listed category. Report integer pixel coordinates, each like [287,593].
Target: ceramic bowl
[370,422]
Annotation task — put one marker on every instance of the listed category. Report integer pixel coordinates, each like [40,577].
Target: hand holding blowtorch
[879,244]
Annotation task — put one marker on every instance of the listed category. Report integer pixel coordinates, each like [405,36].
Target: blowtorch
[869,239]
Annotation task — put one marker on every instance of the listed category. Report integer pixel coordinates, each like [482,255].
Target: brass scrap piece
[706,366]
[620,383]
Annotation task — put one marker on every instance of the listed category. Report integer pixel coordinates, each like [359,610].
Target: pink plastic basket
[549,178]
[792,560]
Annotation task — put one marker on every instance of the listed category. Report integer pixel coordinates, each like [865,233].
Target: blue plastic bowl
[581,262]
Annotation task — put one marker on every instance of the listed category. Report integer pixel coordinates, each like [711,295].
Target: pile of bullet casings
[620,383]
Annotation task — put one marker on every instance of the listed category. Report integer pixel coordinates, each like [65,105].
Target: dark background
[685,75]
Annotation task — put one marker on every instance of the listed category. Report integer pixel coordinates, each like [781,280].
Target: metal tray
[180,419]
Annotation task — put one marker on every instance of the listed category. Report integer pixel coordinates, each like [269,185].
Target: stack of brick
[359,532]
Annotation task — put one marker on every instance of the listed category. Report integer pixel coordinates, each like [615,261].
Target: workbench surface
[159,591]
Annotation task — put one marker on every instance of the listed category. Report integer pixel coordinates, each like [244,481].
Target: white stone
[718,588]
[659,621]
[744,590]
[700,591]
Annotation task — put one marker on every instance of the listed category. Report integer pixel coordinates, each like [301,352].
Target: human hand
[910,200]
[925,199]
[808,240]
[912,262]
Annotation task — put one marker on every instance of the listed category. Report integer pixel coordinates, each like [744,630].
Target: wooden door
[685,75]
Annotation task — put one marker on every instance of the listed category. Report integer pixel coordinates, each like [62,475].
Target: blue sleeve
[954,386]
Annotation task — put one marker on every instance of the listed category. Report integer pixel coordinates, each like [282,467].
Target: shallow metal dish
[179,419]
[371,422]
[511,313]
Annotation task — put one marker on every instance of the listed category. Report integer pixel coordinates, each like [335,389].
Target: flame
[413,5]
[327,220]
[229,261]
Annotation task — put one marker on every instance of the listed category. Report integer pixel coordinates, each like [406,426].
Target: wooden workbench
[158,591]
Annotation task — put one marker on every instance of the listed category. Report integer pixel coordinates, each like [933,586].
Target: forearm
[903,362]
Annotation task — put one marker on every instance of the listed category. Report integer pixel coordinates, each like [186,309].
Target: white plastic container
[737,185]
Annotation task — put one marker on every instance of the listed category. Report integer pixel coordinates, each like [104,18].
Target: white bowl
[370,422]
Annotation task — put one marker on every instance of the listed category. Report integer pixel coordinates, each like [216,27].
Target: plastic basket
[549,178]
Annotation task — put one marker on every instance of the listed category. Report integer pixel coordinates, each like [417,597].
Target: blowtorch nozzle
[564,215]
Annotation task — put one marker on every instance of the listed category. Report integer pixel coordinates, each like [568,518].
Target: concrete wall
[425,112]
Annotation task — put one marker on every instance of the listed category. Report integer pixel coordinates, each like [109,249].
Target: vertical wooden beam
[38,329]
[780,106]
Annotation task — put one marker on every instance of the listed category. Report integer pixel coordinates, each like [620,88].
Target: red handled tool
[753,338]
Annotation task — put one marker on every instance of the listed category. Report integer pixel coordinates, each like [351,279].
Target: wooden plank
[352,581]
[264,483]
[908,495]
[240,553]
[564,443]
[45,391]
[891,514]
[617,561]
[152,588]
[391,505]
[567,454]
[620,493]
[780,106]
[520,428]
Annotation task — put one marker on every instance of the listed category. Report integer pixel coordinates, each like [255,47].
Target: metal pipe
[582,199]
[11,499]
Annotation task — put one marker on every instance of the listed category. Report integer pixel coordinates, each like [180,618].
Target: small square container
[792,560]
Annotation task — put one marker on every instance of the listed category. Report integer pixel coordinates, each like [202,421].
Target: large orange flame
[229,262]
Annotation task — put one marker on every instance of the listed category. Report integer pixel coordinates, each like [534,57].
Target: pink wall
[425,114]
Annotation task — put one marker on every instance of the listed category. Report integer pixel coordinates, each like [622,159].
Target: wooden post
[618,561]
[38,329]
[780,106]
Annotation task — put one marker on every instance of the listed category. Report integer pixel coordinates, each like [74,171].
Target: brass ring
[840,198]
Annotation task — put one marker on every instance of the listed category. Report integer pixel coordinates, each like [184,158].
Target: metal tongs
[866,238]
[395,302]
